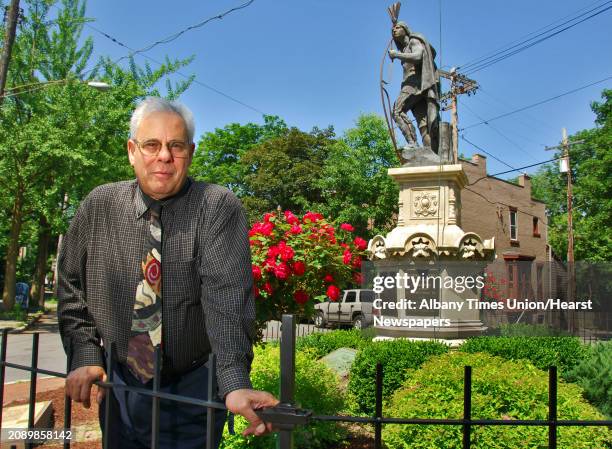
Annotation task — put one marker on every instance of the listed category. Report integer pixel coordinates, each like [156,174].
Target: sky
[317,62]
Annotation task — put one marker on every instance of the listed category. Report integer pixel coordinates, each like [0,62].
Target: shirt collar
[171,204]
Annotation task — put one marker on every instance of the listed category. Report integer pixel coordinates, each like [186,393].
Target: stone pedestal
[429,239]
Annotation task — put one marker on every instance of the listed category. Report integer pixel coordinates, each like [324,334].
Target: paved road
[51,354]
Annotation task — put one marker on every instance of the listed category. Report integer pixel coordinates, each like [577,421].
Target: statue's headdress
[394,10]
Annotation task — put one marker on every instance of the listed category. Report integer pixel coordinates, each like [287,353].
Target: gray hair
[156,104]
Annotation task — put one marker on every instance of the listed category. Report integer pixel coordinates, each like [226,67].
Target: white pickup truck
[354,309]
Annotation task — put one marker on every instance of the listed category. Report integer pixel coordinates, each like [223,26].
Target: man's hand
[393,54]
[244,402]
[79,382]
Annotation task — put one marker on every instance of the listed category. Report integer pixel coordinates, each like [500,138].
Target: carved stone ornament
[379,250]
[425,204]
[471,248]
[421,247]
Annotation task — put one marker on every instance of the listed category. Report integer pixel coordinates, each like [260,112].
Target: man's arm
[77,328]
[229,309]
[227,299]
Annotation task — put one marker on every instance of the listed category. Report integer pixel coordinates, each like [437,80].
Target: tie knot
[155,209]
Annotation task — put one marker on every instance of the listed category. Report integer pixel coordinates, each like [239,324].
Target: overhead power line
[171,38]
[195,81]
[486,61]
[486,152]
[512,142]
[524,108]
[513,170]
[175,36]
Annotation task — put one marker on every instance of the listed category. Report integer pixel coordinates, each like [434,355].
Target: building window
[513,224]
[536,227]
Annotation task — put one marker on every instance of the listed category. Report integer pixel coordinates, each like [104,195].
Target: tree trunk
[8,295]
[38,285]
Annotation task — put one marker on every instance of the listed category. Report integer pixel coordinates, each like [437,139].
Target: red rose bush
[298,262]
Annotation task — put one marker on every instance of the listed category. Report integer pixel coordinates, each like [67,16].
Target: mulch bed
[80,416]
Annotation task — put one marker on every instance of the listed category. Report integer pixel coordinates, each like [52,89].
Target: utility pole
[460,84]
[9,37]
[565,146]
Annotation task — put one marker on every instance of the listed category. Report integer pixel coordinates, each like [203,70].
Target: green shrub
[322,343]
[396,356]
[501,389]
[594,374]
[563,352]
[17,313]
[316,388]
[529,330]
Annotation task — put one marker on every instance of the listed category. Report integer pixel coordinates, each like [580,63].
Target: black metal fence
[285,416]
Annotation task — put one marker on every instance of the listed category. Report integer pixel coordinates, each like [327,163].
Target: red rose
[360,243]
[328,278]
[273,251]
[347,227]
[290,218]
[281,271]
[256,272]
[268,288]
[312,217]
[346,257]
[266,228]
[255,291]
[286,252]
[268,216]
[270,264]
[296,229]
[301,297]
[344,245]
[357,262]
[299,268]
[333,292]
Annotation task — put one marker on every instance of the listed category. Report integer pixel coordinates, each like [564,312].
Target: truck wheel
[358,322]
[319,320]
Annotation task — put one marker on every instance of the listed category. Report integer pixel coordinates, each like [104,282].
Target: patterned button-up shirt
[207,282]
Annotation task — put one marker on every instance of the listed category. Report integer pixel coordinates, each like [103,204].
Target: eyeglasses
[152,147]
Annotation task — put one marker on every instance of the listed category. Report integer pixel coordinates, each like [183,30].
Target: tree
[60,139]
[354,184]
[217,157]
[591,164]
[283,171]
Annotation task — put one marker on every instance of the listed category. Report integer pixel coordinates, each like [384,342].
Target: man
[419,92]
[160,261]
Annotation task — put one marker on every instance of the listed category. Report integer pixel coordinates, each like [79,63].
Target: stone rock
[340,360]
[419,156]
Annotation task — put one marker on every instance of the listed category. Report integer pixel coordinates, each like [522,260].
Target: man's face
[398,31]
[160,175]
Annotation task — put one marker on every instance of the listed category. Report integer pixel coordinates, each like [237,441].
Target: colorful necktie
[146,331]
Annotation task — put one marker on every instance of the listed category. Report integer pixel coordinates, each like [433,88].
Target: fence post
[378,409]
[155,400]
[67,403]
[210,411]
[287,375]
[2,370]
[552,407]
[110,375]
[467,405]
[33,377]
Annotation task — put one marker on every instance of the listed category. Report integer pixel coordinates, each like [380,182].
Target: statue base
[429,239]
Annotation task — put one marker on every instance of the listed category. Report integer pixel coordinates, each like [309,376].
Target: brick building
[507,211]
[494,207]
